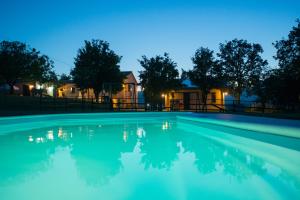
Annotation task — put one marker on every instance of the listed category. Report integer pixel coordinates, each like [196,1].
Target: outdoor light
[163,95]
[225,93]
[38,86]
[31,86]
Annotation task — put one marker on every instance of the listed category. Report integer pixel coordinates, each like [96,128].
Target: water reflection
[98,152]
[159,148]
[212,156]
[24,155]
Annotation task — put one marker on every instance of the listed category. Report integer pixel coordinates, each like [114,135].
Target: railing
[17,104]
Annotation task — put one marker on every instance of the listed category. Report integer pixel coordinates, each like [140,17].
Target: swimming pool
[147,156]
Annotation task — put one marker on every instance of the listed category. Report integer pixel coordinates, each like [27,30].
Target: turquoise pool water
[143,156]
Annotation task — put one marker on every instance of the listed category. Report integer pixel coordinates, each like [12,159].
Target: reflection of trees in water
[212,156]
[25,154]
[159,147]
[97,151]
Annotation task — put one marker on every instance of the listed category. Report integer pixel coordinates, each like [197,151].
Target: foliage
[18,62]
[159,75]
[287,77]
[97,65]
[202,74]
[242,64]
[63,79]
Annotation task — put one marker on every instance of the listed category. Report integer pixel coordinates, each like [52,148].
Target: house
[29,89]
[126,97]
[189,98]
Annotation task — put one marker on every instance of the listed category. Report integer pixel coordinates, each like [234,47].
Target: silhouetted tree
[288,74]
[158,76]
[96,65]
[243,65]
[18,62]
[64,78]
[202,73]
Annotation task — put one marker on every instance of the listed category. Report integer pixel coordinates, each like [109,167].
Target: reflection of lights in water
[90,133]
[60,133]
[39,139]
[125,136]
[50,135]
[165,126]
[140,132]
[30,139]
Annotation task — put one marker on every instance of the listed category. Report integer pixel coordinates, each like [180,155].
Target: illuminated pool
[148,156]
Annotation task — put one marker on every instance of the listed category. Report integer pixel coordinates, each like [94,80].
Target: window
[213,97]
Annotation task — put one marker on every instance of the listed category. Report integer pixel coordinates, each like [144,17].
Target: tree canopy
[18,62]
[286,84]
[202,74]
[243,65]
[97,65]
[159,75]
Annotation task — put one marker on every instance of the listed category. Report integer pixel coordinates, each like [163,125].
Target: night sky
[134,28]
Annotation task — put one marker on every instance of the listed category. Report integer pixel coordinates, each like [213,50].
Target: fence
[18,104]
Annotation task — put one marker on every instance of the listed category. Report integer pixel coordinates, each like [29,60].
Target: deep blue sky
[144,27]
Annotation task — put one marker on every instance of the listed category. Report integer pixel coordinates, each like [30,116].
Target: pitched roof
[126,73]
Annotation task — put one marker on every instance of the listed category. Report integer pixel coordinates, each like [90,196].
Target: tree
[95,66]
[64,78]
[243,65]
[18,62]
[288,57]
[202,73]
[158,76]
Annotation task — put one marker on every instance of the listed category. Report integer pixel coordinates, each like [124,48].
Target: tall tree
[202,74]
[97,65]
[64,78]
[243,65]
[18,62]
[159,75]
[288,57]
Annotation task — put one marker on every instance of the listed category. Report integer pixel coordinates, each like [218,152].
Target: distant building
[189,98]
[29,89]
[127,96]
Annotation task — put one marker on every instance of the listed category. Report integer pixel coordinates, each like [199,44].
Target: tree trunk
[222,99]
[198,102]
[238,98]
[204,99]
[205,102]
[96,92]
[11,88]
[82,94]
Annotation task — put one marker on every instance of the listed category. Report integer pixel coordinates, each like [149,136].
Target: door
[186,101]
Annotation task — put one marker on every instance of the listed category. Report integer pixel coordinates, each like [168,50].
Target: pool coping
[284,127]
